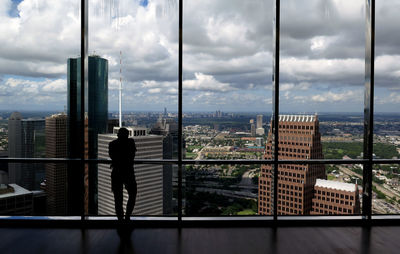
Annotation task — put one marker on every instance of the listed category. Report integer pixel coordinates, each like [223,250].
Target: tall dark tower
[96,120]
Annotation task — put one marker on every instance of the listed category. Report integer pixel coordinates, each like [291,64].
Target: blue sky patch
[144,3]
[13,12]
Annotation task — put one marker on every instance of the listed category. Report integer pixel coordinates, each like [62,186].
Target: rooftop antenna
[120,89]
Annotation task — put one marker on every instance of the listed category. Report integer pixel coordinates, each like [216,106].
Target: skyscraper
[260,130]
[252,128]
[14,146]
[299,138]
[56,173]
[168,128]
[149,177]
[96,111]
[26,140]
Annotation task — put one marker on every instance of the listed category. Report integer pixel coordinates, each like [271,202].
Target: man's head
[123,133]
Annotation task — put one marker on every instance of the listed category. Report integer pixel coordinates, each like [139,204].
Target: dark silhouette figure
[122,153]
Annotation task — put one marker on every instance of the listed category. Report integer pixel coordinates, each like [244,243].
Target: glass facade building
[96,122]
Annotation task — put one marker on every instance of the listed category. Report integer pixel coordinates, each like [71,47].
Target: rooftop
[297,118]
[18,190]
[335,185]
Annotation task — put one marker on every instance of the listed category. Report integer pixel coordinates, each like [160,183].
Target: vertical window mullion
[83,80]
[180,143]
[368,106]
[275,96]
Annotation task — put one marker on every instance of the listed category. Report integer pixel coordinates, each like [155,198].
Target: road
[379,206]
[388,192]
[247,178]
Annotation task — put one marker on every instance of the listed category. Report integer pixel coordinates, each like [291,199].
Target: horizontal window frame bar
[236,221]
[202,162]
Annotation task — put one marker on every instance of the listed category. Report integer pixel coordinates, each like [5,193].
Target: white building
[15,200]
[149,177]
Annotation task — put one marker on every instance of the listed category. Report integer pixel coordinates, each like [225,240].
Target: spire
[120,89]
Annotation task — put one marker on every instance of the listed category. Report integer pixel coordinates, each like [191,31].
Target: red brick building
[299,139]
[331,197]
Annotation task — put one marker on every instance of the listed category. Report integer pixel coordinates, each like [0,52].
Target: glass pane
[386,130]
[133,73]
[227,78]
[37,39]
[221,190]
[385,189]
[51,198]
[322,68]
[314,190]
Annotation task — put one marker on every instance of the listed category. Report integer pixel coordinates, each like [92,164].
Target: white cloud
[227,50]
[336,97]
[206,83]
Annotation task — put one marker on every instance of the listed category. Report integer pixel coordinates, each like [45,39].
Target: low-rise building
[335,198]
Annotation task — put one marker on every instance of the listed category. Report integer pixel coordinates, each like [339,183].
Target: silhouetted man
[122,153]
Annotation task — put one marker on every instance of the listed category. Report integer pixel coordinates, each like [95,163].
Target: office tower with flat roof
[96,111]
[252,128]
[299,139]
[14,146]
[56,173]
[259,121]
[335,198]
[260,129]
[149,177]
[26,139]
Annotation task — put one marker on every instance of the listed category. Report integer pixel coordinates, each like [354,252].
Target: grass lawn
[331,177]
[247,212]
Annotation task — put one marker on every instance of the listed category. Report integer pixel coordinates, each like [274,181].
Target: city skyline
[322,54]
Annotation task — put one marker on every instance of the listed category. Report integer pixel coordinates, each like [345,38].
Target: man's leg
[132,192]
[117,188]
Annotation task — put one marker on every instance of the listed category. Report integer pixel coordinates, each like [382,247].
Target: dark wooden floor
[203,240]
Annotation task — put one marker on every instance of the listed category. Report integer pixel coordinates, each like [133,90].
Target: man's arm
[134,148]
[111,151]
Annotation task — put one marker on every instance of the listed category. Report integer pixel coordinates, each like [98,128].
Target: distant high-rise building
[168,129]
[165,112]
[332,197]
[26,139]
[149,177]
[260,129]
[299,138]
[15,147]
[97,120]
[259,121]
[111,124]
[56,173]
[252,128]
[259,141]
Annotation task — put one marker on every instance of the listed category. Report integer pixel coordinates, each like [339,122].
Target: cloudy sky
[227,53]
